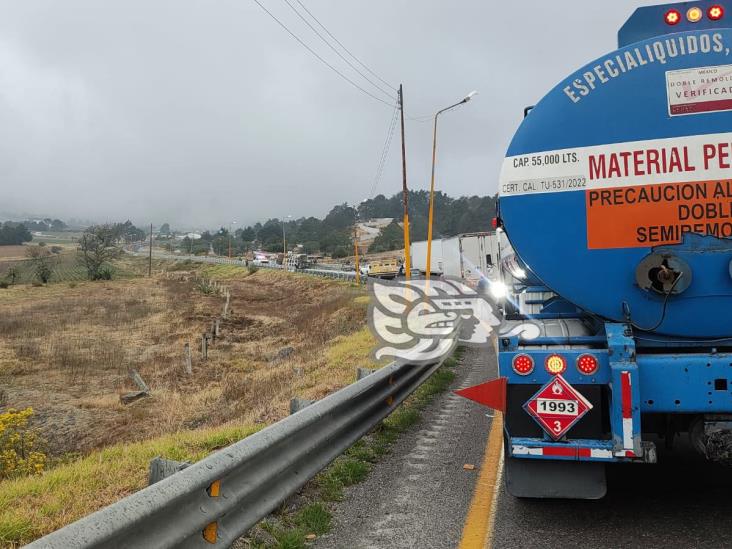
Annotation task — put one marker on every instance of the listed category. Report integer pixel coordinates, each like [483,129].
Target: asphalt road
[682,501]
[418,496]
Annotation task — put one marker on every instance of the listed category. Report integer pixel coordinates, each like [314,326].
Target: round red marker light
[672,17]
[715,12]
[587,364]
[555,364]
[523,365]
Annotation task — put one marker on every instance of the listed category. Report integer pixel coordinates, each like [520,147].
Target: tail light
[523,365]
[715,12]
[555,364]
[672,17]
[587,364]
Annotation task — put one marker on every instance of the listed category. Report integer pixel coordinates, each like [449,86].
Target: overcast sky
[200,112]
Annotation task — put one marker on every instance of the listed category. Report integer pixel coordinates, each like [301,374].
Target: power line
[339,54]
[425,118]
[331,67]
[384,152]
[344,47]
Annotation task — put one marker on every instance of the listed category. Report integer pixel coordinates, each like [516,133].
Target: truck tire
[542,479]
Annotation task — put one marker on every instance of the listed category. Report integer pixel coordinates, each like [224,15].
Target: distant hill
[334,233]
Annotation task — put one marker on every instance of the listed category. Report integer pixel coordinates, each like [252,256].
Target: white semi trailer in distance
[468,256]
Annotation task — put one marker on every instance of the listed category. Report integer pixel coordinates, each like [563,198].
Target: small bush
[18,443]
[4,285]
[450,362]
[12,274]
[252,268]
[105,273]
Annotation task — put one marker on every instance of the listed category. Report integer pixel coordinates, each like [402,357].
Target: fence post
[217,327]
[187,362]
[204,346]
[135,376]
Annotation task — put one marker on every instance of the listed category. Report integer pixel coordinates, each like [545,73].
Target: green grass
[315,518]
[31,507]
[66,267]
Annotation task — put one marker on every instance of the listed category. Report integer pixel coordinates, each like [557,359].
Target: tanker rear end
[616,195]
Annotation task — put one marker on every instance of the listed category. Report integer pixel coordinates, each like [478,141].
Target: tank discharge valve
[663,273]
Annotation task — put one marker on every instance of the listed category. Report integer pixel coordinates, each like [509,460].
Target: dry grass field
[66,349]
[67,352]
[12,252]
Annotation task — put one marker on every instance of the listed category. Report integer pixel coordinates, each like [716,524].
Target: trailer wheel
[538,478]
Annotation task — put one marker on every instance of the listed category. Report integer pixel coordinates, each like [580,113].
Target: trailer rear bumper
[578,450]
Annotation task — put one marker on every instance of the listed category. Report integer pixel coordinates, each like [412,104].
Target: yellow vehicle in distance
[385,268]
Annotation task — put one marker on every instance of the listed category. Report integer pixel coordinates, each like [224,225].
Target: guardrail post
[363,372]
[161,468]
[297,404]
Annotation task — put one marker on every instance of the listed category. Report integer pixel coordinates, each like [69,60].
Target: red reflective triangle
[491,393]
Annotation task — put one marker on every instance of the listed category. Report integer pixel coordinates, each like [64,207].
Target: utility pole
[231,223]
[405,191]
[355,246]
[149,260]
[284,242]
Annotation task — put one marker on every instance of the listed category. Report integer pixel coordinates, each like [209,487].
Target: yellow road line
[478,527]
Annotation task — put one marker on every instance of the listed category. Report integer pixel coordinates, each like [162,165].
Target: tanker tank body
[616,195]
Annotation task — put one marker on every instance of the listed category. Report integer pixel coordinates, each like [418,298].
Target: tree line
[98,247]
[14,234]
[333,235]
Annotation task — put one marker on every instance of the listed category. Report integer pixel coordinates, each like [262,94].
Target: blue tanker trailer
[616,195]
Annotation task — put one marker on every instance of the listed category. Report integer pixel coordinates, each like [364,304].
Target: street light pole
[357,260]
[432,181]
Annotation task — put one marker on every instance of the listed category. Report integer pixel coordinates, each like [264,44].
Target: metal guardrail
[232,489]
[324,272]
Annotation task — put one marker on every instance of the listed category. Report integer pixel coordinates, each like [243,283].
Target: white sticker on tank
[699,90]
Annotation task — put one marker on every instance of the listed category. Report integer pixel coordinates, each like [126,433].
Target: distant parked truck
[469,256]
[384,268]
